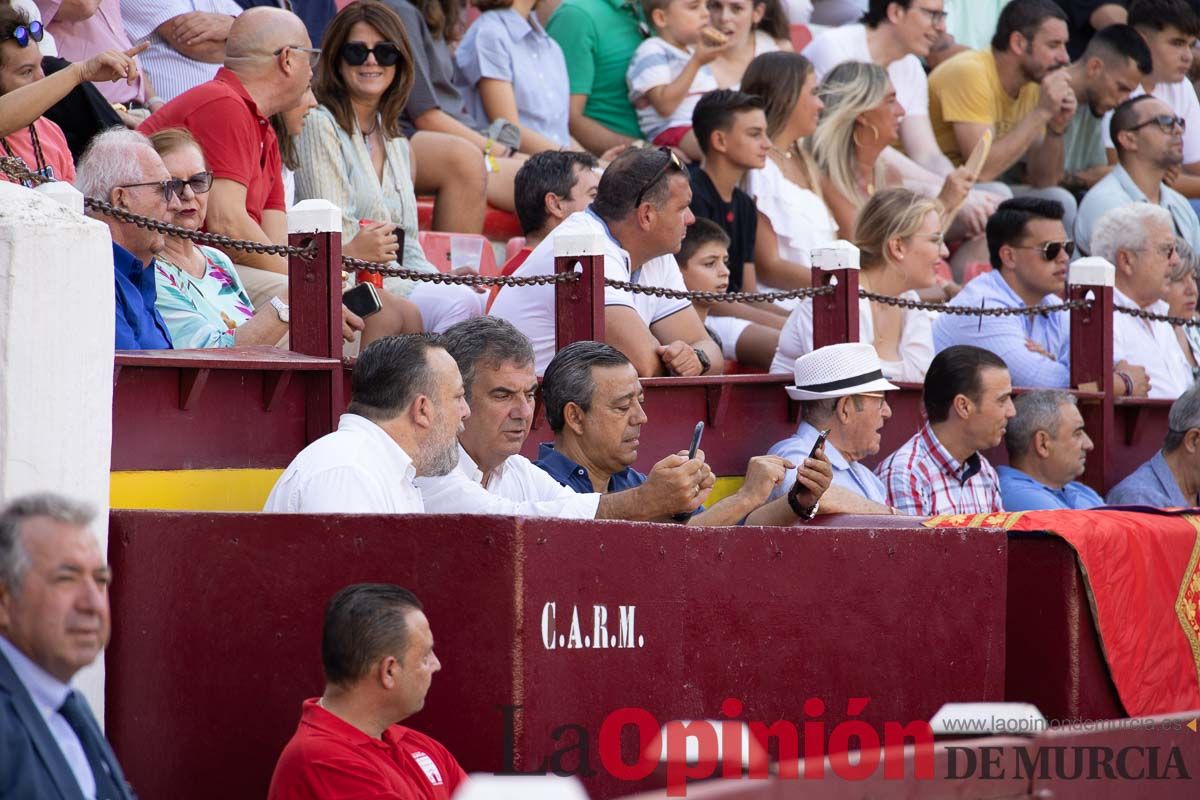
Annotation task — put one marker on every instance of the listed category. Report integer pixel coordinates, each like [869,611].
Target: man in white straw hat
[841,389]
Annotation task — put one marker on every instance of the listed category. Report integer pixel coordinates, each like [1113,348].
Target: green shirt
[1083,143]
[598,38]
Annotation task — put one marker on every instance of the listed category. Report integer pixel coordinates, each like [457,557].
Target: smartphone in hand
[819,443]
[363,300]
[696,434]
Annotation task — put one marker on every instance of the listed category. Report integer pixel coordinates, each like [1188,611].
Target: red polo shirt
[330,759]
[238,142]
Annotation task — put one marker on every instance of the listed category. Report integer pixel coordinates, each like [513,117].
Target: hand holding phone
[363,300]
[696,434]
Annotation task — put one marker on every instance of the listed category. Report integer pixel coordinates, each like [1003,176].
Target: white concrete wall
[56,361]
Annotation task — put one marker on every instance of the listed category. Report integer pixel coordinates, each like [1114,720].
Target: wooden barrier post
[1091,279]
[315,298]
[835,316]
[579,305]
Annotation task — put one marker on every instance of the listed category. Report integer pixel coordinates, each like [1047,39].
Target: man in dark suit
[54,620]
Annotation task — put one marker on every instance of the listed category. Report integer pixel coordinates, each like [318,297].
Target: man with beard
[407,410]
[1017,90]
[1149,140]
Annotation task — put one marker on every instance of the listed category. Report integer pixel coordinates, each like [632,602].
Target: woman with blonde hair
[900,242]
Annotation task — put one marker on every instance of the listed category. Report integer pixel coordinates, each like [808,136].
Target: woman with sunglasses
[353,154]
[42,145]
[900,243]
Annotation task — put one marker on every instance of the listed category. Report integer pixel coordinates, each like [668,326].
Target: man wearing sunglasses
[268,67]
[1149,140]
[639,218]
[1030,251]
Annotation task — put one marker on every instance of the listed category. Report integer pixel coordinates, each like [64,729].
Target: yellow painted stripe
[237,489]
[193,489]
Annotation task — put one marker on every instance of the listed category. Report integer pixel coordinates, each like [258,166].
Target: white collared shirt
[357,469]
[48,694]
[515,488]
[1151,345]
[531,308]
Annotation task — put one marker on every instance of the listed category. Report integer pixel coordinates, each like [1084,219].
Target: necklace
[784,153]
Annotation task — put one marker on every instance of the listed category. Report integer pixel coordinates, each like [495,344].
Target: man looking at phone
[841,390]
[593,402]
[496,363]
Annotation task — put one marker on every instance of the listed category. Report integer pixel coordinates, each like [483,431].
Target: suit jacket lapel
[39,733]
[110,757]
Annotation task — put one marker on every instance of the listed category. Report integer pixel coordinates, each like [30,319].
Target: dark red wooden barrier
[218,615]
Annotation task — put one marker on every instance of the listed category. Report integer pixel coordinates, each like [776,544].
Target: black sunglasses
[23,33]
[355,53]
[1164,121]
[672,160]
[1049,250]
[199,183]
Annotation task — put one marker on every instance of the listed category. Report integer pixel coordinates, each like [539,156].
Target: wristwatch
[281,308]
[705,364]
[803,512]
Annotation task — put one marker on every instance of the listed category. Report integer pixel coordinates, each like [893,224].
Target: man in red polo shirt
[377,652]
[268,66]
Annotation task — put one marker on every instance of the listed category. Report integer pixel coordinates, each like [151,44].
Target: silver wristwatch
[281,308]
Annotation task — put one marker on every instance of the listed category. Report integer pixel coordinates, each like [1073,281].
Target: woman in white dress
[899,247]
[756,26]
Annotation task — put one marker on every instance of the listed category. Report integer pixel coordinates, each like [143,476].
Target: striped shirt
[657,62]
[924,480]
[171,72]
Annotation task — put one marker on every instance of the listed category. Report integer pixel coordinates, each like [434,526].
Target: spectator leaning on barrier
[406,411]
[1137,239]
[187,39]
[1029,251]
[121,167]
[550,187]
[968,403]
[593,402]
[841,389]
[1149,139]
[492,477]
[377,656]
[54,621]
[1171,479]
[1047,450]
[640,216]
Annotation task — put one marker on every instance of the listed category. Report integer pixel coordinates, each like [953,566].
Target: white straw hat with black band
[838,370]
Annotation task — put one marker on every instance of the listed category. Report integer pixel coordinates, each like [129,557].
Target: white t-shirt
[1181,98]
[531,308]
[656,62]
[849,43]
[728,331]
[515,488]
[916,340]
[1151,345]
[357,469]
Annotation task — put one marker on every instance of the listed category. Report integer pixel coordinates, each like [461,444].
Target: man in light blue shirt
[1171,479]
[1149,141]
[841,388]
[1030,252]
[1047,450]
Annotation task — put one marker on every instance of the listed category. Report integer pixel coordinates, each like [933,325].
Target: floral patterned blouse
[202,312]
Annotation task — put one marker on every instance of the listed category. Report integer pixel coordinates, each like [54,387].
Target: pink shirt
[79,41]
[55,153]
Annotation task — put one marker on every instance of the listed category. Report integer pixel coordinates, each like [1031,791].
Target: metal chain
[468,280]
[718,297]
[1175,321]
[15,167]
[1026,311]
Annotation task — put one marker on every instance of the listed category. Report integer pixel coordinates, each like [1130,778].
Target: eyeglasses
[1164,250]
[355,53]
[672,159]
[199,183]
[1049,250]
[936,17]
[22,34]
[314,53]
[1166,122]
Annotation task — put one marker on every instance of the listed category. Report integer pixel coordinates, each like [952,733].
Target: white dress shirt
[1151,345]
[48,694]
[357,469]
[515,488]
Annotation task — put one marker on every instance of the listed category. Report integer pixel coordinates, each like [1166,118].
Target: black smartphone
[696,434]
[819,443]
[398,232]
[363,300]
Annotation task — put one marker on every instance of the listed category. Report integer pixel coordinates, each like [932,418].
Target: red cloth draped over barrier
[1142,569]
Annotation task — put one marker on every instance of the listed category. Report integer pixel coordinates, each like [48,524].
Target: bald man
[268,66]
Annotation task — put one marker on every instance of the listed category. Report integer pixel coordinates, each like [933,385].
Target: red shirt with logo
[330,759]
[239,143]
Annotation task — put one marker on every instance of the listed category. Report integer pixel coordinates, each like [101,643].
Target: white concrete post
[56,359]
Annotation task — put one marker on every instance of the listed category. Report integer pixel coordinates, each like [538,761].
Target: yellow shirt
[967,88]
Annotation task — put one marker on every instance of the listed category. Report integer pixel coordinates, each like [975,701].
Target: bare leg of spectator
[500,183]
[261,284]
[453,170]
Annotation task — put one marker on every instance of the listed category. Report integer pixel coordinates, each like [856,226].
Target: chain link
[1024,311]
[718,297]
[468,280]
[1175,321]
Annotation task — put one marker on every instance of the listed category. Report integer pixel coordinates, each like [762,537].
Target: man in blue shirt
[1171,479]
[593,401]
[1047,450]
[121,166]
[1029,250]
